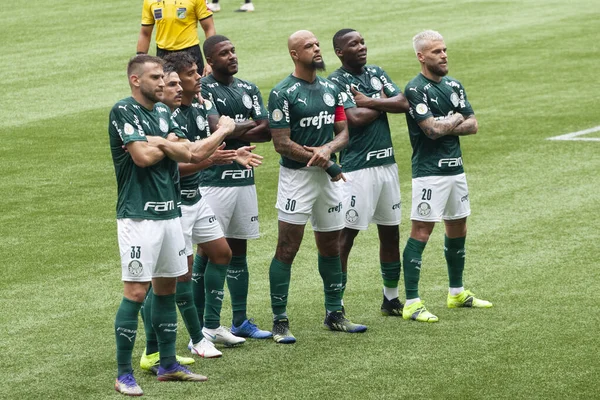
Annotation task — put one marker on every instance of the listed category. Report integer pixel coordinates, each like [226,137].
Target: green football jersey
[193,121]
[439,100]
[369,145]
[307,109]
[241,101]
[143,193]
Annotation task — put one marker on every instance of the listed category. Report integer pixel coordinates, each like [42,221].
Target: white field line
[575,135]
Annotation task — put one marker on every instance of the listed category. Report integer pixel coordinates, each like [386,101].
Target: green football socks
[164,321]
[198,271]
[454,250]
[237,282]
[185,302]
[126,324]
[330,269]
[412,256]
[151,339]
[279,280]
[214,282]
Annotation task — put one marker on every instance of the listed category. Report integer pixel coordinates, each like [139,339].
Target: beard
[319,65]
[151,95]
[438,70]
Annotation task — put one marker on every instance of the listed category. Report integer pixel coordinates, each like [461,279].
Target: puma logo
[184,128]
[222,101]
[276,92]
[434,100]
[130,338]
[123,107]
[303,101]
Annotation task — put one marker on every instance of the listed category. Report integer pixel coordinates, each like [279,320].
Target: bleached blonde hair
[421,39]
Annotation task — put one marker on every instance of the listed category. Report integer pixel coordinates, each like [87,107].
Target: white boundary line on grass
[575,135]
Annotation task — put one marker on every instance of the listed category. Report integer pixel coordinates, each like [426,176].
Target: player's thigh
[327,215]
[189,217]
[206,228]
[244,220]
[388,208]
[139,248]
[222,201]
[358,199]
[458,205]
[429,197]
[172,258]
[297,191]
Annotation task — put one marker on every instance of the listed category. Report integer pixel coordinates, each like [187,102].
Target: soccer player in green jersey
[439,114]
[308,125]
[150,238]
[372,189]
[230,189]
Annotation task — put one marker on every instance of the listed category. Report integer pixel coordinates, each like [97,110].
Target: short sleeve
[258,108]
[210,107]
[279,110]
[345,92]
[202,12]
[147,15]
[389,87]
[127,124]
[463,102]
[417,99]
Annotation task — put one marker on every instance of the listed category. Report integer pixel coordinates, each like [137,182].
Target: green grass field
[530,69]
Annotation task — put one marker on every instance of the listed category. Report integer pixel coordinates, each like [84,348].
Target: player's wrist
[333,170]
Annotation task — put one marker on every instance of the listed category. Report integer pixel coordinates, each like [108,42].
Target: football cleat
[150,362]
[466,298]
[336,321]
[214,7]
[417,312]
[179,373]
[204,349]
[248,329]
[222,335]
[127,385]
[391,308]
[281,332]
[246,7]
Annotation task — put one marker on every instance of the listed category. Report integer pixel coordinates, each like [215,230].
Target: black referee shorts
[194,51]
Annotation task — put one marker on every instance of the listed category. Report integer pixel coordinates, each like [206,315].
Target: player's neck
[306,74]
[223,79]
[187,98]
[143,100]
[432,77]
[353,70]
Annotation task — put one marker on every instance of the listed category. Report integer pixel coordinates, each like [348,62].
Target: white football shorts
[309,193]
[199,224]
[236,209]
[372,195]
[440,197]
[151,249]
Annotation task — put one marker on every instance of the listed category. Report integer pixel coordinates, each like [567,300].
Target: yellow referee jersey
[176,21]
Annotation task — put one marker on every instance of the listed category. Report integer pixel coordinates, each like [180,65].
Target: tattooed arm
[435,129]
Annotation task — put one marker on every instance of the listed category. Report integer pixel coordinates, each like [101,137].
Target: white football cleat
[214,7]
[222,335]
[204,349]
[246,7]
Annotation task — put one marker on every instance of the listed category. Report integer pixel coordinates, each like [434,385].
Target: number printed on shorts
[290,205]
[426,194]
[136,251]
[352,201]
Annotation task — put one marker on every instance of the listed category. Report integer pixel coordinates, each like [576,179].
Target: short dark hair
[338,36]
[136,63]
[210,43]
[178,61]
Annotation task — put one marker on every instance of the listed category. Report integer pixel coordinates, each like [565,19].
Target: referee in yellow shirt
[176,27]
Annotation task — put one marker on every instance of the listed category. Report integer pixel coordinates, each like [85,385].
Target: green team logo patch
[328,99]
[163,125]
[201,122]
[424,209]
[128,129]
[247,101]
[376,83]
[135,268]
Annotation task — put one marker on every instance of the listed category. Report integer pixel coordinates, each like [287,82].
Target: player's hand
[338,177]
[207,70]
[320,157]
[361,99]
[171,137]
[248,159]
[155,141]
[199,97]
[222,156]
[226,123]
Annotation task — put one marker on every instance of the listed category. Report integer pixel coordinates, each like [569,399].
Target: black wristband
[140,52]
[334,170]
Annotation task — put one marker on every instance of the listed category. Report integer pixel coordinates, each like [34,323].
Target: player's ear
[294,54]
[134,80]
[338,52]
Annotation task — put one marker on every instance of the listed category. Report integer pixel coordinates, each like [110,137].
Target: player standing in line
[214,6]
[372,190]
[176,27]
[439,114]
[230,189]
[308,124]
[149,232]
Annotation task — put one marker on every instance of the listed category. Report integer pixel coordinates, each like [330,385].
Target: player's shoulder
[244,84]
[338,74]
[416,84]
[125,105]
[284,84]
[161,108]
[326,83]
[209,82]
[452,82]
[374,69]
